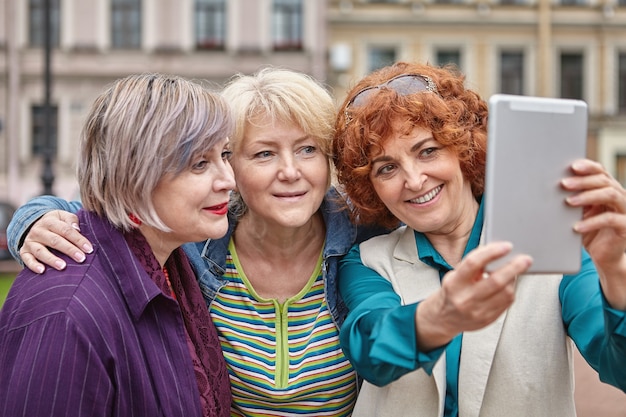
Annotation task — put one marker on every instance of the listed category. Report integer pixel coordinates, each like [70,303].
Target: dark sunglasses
[404,85]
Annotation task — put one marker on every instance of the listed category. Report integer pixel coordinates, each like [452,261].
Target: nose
[414,179]
[289,169]
[226,178]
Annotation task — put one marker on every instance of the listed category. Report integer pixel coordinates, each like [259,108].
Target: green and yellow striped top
[283,359]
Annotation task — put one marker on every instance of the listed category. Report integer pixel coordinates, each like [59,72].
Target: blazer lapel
[414,281]
[477,356]
[478,346]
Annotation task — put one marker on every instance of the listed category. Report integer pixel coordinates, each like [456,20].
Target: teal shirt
[380,343]
[429,255]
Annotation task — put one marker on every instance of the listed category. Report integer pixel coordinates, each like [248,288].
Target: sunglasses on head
[404,85]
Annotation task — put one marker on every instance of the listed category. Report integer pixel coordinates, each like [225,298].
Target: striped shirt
[284,359]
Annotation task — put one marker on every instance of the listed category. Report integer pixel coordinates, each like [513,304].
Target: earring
[134,219]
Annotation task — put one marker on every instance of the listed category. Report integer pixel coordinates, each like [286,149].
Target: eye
[227,154]
[428,152]
[385,170]
[307,151]
[200,165]
[263,154]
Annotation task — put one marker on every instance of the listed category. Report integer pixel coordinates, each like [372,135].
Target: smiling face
[194,203]
[421,183]
[282,175]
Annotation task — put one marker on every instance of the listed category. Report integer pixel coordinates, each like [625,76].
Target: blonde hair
[139,129]
[285,96]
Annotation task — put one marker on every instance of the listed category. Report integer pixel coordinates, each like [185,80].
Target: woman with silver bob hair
[124,332]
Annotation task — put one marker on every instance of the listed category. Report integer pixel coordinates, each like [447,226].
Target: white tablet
[531,143]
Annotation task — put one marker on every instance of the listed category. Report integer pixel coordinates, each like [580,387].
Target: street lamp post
[47,176]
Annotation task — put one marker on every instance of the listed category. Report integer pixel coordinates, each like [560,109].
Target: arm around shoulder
[26,215]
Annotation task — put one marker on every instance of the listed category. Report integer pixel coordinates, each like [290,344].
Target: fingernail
[87,248]
[506,246]
[60,265]
[40,269]
[76,226]
[79,257]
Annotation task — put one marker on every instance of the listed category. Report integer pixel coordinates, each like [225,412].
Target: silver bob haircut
[141,128]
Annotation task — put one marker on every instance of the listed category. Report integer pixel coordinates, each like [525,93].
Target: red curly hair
[456,116]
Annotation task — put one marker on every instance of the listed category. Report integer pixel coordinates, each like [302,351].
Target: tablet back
[531,143]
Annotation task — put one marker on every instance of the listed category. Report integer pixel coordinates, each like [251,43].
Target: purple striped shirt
[97,339]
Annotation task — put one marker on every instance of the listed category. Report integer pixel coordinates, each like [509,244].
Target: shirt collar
[429,255]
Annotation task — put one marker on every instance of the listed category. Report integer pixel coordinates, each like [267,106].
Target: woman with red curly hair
[430,332]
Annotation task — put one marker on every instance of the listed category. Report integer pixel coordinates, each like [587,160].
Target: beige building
[551,48]
[97,41]
[555,48]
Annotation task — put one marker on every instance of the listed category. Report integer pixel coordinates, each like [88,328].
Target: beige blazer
[519,366]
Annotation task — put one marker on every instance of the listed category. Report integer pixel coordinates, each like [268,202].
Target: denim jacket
[208,258]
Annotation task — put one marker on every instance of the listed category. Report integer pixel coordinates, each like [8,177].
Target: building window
[573,2]
[39,129]
[449,56]
[380,56]
[210,24]
[287,25]
[512,72]
[514,2]
[621,82]
[126,24]
[36,26]
[572,75]
[620,167]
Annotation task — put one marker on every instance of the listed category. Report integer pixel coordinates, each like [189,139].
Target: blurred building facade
[97,41]
[552,48]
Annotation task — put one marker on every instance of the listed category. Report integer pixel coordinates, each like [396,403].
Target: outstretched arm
[385,339]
